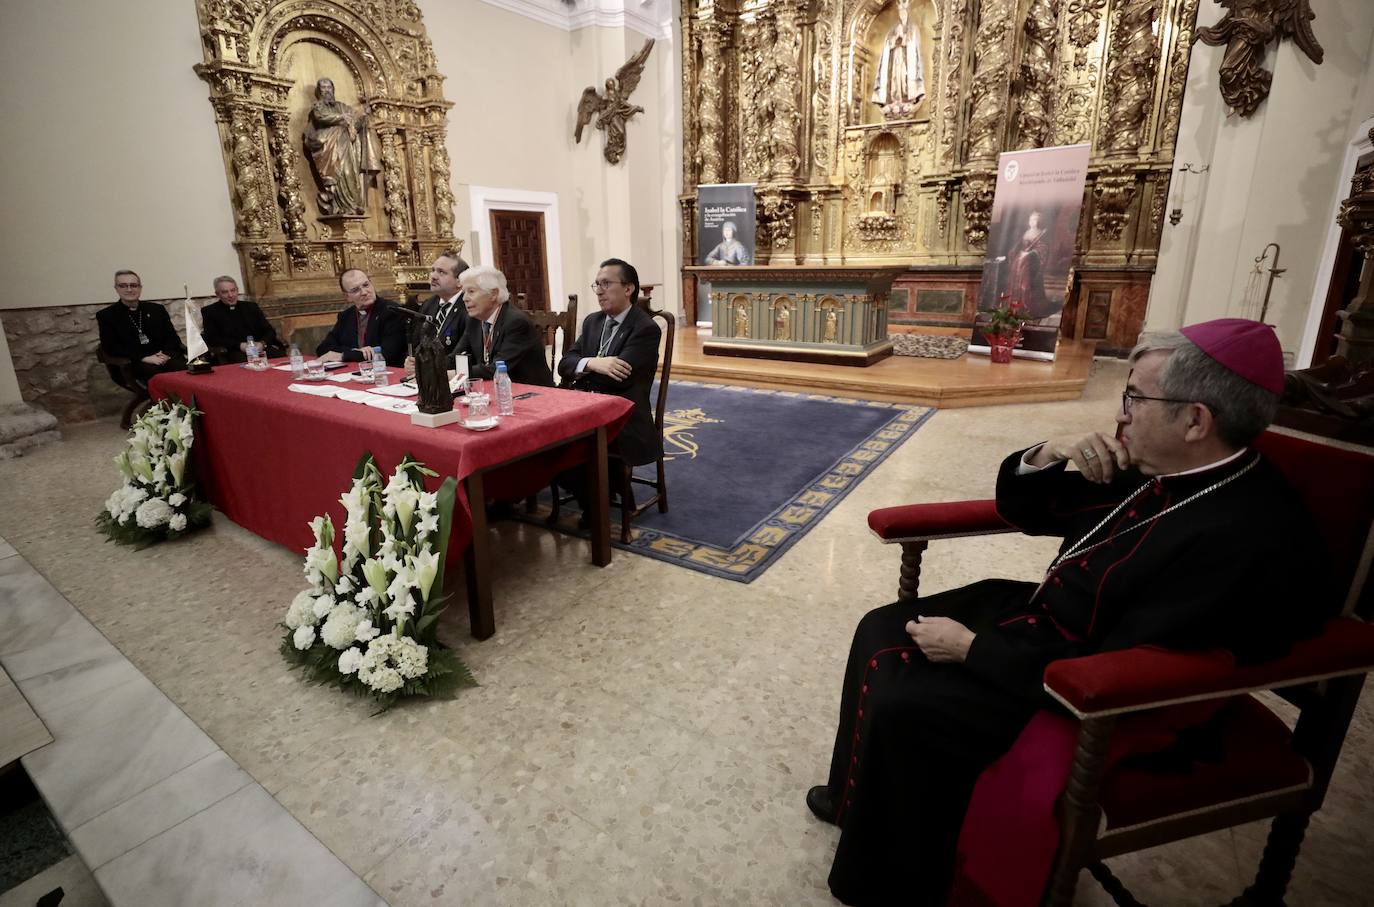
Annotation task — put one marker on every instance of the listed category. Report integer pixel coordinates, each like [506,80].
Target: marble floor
[643,734]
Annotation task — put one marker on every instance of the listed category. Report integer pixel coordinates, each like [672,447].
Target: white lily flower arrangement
[367,621]
[157,500]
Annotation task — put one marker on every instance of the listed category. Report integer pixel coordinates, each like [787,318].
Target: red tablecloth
[272,460]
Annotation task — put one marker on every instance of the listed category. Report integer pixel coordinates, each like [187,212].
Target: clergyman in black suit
[499,332]
[141,332]
[617,353]
[367,322]
[445,306]
[229,322]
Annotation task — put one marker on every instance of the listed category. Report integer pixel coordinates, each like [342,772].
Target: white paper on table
[343,377]
[351,395]
[386,403]
[282,368]
[314,390]
[396,390]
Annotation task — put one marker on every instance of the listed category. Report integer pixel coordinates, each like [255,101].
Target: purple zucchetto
[1248,348]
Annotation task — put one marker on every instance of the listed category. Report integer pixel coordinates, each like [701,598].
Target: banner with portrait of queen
[1031,245]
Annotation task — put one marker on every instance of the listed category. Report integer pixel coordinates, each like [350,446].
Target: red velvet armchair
[1265,769]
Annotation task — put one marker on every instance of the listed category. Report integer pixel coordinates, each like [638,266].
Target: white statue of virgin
[901,82]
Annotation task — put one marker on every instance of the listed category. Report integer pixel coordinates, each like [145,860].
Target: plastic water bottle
[505,398]
[251,352]
[380,376]
[297,362]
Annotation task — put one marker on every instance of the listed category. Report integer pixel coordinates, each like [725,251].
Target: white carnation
[177,523]
[304,637]
[302,610]
[366,632]
[177,499]
[323,605]
[153,513]
[350,660]
[341,627]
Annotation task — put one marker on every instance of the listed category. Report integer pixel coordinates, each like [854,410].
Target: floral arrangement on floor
[368,621]
[158,499]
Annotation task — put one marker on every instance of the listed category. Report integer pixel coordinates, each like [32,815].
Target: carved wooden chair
[629,510]
[549,324]
[1265,770]
[122,373]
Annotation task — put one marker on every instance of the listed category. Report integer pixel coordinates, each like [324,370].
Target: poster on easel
[725,233]
[1031,244]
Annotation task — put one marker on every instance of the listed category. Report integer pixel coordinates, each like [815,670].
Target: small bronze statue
[431,371]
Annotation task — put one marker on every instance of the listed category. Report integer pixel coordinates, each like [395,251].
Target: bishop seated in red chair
[1176,534]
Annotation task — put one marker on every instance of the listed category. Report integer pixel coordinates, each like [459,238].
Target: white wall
[110,158]
[1274,177]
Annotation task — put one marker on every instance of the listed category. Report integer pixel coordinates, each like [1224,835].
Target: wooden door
[518,242]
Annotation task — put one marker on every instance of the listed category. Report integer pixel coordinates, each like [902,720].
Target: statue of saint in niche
[343,150]
[901,82]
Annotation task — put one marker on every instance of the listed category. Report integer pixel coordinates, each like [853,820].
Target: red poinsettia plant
[1006,320]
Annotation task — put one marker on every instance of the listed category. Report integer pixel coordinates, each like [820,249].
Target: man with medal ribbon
[499,332]
[1176,533]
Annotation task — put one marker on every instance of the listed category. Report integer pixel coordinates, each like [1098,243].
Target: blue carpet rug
[750,472]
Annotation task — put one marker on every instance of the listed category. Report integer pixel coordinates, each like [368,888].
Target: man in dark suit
[367,322]
[141,332]
[499,332]
[229,322]
[445,306]
[617,353]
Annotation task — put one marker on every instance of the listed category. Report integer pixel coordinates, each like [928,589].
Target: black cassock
[1228,569]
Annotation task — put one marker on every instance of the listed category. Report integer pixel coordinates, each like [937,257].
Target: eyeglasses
[127,286]
[607,284]
[358,289]
[1127,397]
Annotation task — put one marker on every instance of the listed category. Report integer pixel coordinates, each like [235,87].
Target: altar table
[272,460]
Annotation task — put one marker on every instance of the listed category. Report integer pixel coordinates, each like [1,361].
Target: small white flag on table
[195,344]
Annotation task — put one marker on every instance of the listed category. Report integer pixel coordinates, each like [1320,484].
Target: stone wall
[53,350]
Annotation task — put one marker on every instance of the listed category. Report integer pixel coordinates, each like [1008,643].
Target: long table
[272,460]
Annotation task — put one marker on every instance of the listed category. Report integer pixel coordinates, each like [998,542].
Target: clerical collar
[1217,465]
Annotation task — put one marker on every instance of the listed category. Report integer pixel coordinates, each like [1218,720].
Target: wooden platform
[967,381]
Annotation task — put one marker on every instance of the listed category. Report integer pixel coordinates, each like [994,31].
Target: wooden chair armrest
[949,519]
[107,359]
[1133,680]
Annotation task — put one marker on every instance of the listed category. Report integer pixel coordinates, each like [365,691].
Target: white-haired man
[1176,534]
[498,332]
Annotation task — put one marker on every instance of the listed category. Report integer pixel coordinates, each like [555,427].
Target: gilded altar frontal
[871,129]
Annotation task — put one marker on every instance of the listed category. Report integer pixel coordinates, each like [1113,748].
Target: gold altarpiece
[262,59]
[780,93]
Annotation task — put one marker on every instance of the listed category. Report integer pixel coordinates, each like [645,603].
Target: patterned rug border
[765,543]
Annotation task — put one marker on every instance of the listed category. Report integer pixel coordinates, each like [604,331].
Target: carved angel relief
[1246,30]
[614,108]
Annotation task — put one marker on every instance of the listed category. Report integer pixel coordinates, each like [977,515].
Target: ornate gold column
[988,95]
[1041,36]
[709,119]
[1130,94]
